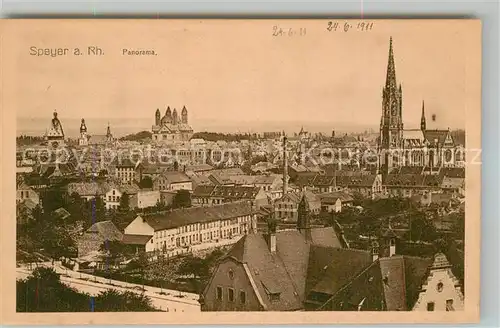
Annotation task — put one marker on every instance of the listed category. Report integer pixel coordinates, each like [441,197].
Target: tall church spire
[390,81]
[422,119]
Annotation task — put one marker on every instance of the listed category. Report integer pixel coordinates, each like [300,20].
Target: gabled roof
[331,268]
[107,230]
[285,271]
[436,137]
[173,177]
[390,283]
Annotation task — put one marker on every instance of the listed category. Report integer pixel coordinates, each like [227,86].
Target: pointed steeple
[83,127]
[303,220]
[390,81]
[422,119]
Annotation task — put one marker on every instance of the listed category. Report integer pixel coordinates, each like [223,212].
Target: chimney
[271,234]
[375,251]
[392,247]
[285,165]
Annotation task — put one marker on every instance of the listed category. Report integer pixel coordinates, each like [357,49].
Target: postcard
[239,171]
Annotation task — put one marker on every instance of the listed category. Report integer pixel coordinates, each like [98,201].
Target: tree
[421,229]
[114,301]
[181,199]
[43,291]
[124,206]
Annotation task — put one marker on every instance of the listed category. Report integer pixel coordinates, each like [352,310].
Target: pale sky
[238,72]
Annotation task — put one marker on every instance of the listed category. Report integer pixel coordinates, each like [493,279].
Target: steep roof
[106,229]
[436,137]
[286,270]
[390,283]
[331,268]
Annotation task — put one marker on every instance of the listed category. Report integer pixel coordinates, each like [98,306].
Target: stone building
[398,146]
[171,128]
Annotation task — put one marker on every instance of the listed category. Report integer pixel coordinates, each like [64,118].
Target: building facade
[411,147]
[171,127]
[183,230]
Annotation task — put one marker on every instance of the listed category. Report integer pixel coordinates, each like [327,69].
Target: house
[286,207]
[144,199]
[219,179]
[398,283]
[126,171]
[368,185]
[273,271]
[272,184]
[210,195]
[172,181]
[138,242]
[182,230]
[198,169]
[25,192]
[96,235]
[441,290]
[335,201]
[87,190]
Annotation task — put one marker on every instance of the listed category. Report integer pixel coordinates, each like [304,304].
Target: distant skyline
[329,78]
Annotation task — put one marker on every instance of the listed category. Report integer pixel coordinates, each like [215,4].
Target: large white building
[183,230]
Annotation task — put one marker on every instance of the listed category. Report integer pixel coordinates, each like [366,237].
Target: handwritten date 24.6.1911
[349,26]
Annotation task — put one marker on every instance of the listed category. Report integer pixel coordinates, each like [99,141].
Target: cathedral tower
[184,115]
[391,123]
[422,119]
[175,117]
[157,117]
[83,140]
[168,115]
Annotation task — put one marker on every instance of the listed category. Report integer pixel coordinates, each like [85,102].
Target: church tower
[175,117]
[184,115]
[391,123]
[157,117]
[83,141]
[422,119]
[168,116]
[303,215]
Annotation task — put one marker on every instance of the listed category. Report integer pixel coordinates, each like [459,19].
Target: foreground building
[183,230]
[312,269]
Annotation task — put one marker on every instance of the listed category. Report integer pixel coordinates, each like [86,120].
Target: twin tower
[171,117]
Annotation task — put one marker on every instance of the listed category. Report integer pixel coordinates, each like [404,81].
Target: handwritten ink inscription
[347,26]
[288,31]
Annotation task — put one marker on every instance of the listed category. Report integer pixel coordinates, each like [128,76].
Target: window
[243,297]
[449,305]
[219,293]
[439,287]
[231,274]
[230,294]
[430,306]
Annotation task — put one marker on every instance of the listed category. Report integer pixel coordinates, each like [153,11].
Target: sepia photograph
[213,171]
